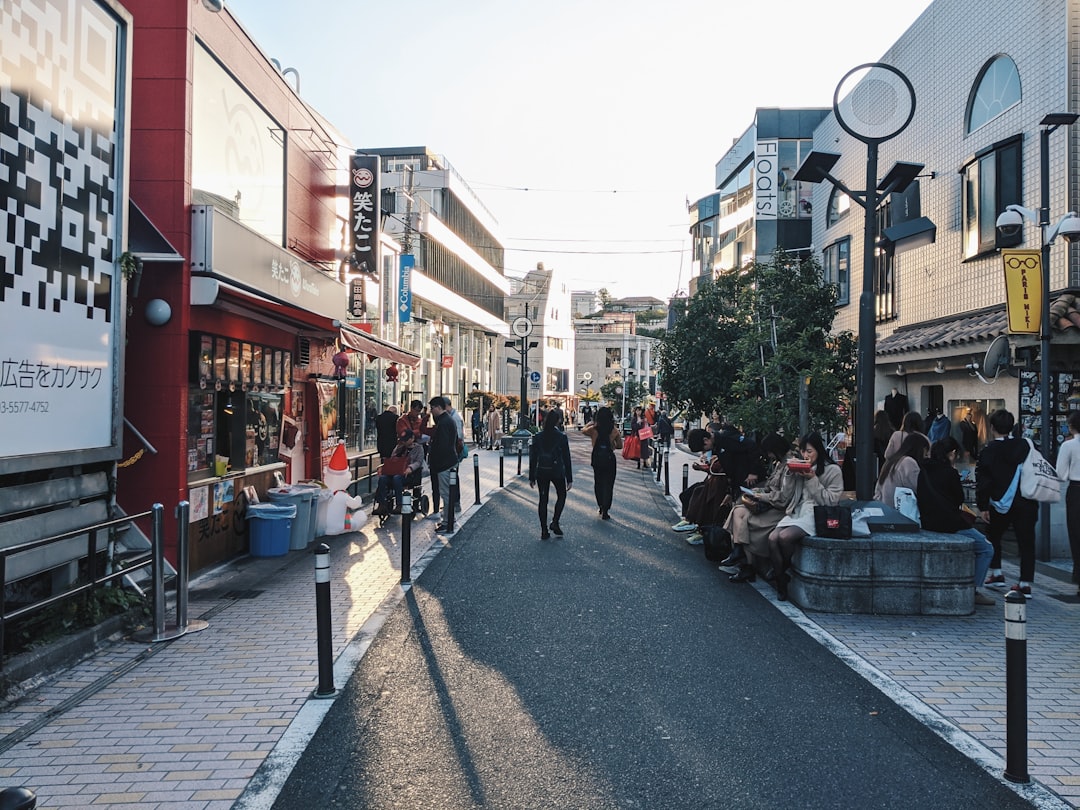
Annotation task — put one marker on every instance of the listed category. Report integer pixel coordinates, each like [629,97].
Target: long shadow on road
[611,668]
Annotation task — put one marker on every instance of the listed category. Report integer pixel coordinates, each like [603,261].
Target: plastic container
[269,528]
[313,490]
[301,498]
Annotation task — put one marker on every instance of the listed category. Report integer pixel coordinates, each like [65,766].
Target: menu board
[200,443]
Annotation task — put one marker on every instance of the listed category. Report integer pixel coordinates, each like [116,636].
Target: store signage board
[222,246]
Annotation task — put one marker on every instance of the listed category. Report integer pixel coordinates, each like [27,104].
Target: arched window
[995,90]
[839,205]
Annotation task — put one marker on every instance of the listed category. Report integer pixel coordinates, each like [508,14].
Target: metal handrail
[94,581]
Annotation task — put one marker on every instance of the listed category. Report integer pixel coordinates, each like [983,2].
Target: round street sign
[534,377]
[522,327]
[587,376]
[625,362]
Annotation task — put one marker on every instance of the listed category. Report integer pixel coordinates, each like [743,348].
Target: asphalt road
[611,668]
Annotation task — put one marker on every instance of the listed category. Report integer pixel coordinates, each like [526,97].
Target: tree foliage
[746,339]
[612,392]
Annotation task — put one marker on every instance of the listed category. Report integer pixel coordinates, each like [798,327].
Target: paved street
[611,668]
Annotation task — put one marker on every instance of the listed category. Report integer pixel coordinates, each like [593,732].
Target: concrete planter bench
[919,573]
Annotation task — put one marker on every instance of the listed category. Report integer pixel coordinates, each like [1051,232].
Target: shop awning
[146,241]
[373,347]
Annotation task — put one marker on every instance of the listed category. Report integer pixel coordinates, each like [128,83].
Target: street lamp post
[1009,223]
[873,103]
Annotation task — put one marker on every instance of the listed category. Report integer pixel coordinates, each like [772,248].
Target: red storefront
[224,348]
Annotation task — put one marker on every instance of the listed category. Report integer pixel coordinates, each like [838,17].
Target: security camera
[1010,223]
[1070,227]
[214,5]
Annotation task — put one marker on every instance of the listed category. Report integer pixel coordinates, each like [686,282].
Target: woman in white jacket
[821,485]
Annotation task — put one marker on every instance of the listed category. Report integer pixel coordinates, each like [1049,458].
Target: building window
[836,266]
[991,181]
[556,343]
[839,205]
[996,89]
[613,357]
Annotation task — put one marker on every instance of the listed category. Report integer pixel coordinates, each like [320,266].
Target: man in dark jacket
[442,454]
[997,493]
[386,432]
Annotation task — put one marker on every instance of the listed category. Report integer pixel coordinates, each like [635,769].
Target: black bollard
[667,472]
[519,458]
[502,459]
[406,537]
[453,500]
[658,465]
[685,477]
[19,798]
[322,621]
[1016,688]
[476,476]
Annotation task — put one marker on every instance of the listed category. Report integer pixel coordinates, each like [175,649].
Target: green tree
[612,392]
[605,298]
[746,340]
[695,358]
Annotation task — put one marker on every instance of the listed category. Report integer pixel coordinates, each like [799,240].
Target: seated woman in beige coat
[821,485]
[755,516]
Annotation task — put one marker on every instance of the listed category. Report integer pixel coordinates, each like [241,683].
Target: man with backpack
[549,463]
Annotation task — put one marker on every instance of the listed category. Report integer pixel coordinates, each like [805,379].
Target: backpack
[716,541]
[548,459]
[603,457]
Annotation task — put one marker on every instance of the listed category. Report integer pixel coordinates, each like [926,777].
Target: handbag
[833,522]
[645,433]
[1038,479]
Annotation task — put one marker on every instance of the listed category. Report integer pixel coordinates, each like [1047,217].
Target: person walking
[443,455]
[549,463]
[606,439]
[1068,469]
[997,493]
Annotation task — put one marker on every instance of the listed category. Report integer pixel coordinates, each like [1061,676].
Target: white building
[458,285]
[542,297]
[984,76]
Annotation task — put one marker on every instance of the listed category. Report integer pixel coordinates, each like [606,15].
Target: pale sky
[583,125]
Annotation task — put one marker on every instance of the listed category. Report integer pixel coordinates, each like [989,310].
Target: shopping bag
[1038,479]
[833,522]
[645,433]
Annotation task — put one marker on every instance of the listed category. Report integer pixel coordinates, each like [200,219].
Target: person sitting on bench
[404,463]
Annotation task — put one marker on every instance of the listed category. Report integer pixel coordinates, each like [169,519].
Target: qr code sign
[58,155]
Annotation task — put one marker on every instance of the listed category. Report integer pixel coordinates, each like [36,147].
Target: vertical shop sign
[765,166]
[357,298]
[1023,290]
[404,304]
[364,212]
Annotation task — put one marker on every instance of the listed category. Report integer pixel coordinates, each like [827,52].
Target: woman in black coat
[940,496]
[549,463]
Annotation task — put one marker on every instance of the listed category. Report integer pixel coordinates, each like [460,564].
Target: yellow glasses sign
[1023,290]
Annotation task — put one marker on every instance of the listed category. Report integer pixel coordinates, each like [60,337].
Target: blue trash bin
[269,528]
[301,498]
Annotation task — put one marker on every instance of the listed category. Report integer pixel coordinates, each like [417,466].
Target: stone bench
[918,573]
